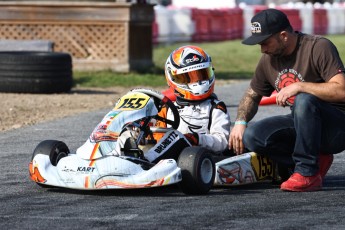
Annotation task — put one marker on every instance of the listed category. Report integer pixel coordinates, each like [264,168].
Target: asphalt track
[24,205]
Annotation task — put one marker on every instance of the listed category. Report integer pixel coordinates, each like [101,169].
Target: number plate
[262,165]
[132,101]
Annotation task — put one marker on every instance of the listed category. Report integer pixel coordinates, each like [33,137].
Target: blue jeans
[297,139]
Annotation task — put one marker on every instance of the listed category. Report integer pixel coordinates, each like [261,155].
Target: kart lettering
[68,181]
[85,169]
[67,170]
[172,136]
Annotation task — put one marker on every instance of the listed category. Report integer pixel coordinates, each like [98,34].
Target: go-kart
[122,153]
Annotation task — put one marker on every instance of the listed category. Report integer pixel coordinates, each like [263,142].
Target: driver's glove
[193,138]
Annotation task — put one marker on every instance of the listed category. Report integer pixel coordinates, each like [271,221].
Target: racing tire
[197,169]
[284,172]
[35,72]
[56,150]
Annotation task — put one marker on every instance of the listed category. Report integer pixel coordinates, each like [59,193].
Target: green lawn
[231,60]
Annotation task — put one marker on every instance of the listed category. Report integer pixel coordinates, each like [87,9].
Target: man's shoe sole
[309,189]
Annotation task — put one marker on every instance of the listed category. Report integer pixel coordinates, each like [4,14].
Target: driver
[204,120]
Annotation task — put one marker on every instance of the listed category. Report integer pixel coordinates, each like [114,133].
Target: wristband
[241,123]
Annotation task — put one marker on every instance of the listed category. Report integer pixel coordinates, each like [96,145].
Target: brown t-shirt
[315,59]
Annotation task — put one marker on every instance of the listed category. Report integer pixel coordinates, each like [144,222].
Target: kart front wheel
[53,148]
[198,170]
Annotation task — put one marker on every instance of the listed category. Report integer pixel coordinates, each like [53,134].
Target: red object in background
[320,21]
[233,23]
[258,8]
[292,14]
[294,18]
[217,25]
[269,100]
[202,27]
[169,93]
[239,23]
[155,32]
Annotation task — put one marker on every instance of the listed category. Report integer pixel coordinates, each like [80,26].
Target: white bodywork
[243,169]
[109,172]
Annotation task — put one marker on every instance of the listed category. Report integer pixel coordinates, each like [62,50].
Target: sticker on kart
[132,101]
[243,169]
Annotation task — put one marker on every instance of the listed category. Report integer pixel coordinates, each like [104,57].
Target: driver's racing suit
[208,121]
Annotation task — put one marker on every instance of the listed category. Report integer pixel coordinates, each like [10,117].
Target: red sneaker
[325,162]
[299,183]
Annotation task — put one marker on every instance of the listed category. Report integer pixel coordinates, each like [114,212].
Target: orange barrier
[269,100]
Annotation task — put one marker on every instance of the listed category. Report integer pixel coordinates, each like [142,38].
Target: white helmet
[189,73]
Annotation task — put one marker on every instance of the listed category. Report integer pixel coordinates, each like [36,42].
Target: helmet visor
[193,76]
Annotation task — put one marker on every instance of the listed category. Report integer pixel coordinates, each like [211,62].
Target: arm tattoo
[248,106]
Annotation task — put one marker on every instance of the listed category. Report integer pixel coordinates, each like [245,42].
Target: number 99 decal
[132,101]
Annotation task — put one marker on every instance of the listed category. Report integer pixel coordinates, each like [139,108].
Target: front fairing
[103,140]
[109,172]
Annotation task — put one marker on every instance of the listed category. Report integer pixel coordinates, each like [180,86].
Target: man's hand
[286,95]
[193,138]
[245,112]
[235,139]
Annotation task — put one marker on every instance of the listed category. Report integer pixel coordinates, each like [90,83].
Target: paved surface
[24,205]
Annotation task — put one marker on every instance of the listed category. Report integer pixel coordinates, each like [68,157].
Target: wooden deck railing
[98,35]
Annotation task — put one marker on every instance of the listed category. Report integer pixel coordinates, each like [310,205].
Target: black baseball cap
[265,24]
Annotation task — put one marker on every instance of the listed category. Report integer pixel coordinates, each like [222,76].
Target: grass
[231,60]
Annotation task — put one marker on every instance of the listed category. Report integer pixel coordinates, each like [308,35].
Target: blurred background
[126,42]
[120,35]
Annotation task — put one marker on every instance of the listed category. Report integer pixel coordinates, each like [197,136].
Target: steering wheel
[160,101]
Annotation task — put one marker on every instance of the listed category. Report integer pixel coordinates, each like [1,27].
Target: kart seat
[130,148]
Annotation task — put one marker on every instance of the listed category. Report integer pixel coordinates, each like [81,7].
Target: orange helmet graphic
[189,72]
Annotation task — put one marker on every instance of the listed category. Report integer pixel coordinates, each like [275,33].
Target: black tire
[35,72]
[284,172]
[53,148]
[198,170]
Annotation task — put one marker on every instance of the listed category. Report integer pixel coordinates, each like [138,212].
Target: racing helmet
[189,73]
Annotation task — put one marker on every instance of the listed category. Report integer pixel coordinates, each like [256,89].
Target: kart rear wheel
[284,173]
[198,170]
[53,148]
